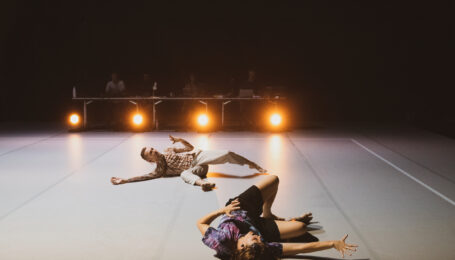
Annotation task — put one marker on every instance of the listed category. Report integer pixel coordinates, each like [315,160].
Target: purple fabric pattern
[224,239]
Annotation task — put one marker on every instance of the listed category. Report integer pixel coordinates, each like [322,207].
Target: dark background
[340,61]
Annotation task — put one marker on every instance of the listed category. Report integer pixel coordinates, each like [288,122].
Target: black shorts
[251,201]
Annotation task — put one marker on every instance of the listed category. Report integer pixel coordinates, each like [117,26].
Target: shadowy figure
[115,87]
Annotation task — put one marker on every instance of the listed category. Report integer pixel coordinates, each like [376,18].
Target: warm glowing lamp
[203,120]
[275,119]
[74,119]
[138,119]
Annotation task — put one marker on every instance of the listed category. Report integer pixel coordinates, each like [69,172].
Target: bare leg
[290,229]
[223,156]
[252,165]
[269,188]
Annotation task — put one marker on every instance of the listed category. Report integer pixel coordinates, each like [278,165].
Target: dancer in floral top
[244,234]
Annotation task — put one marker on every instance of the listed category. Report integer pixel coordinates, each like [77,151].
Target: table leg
[85,114]
[222,111]
[154,112]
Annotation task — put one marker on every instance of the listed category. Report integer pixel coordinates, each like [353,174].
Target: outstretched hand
[234,205]
[173,139]
[117,181]
[342,247]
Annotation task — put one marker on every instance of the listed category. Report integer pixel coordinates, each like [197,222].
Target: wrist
[221,211]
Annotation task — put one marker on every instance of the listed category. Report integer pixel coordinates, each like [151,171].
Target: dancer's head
[150,154]
[250,247]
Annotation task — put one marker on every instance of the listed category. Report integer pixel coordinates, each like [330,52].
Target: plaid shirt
[173,164]
[178,162]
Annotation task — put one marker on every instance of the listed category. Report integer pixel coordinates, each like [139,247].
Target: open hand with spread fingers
[234,205]
[343,247]
[173,139]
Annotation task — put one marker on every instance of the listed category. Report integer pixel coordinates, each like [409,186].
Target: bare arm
[297,248]
[146,177]
[188,147]
[117,181]
[157,173]
[204,223]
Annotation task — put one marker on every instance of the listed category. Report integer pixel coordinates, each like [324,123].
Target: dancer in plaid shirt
[189,163]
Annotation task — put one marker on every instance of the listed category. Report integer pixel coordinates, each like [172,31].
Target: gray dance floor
[392,189]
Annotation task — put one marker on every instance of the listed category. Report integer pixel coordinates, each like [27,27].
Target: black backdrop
[340,60]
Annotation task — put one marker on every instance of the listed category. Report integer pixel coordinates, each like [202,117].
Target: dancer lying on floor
[243,234]
[191,164]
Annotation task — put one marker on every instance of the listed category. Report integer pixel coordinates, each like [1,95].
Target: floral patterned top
[224,239]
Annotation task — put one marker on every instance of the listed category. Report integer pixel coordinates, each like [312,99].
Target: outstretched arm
[204,223]
[150,176]
[188,147]
[297,248]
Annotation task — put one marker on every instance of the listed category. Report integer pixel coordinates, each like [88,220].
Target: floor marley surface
[391,189]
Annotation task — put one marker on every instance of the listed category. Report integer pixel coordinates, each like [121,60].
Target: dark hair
[256,251]
[143,153]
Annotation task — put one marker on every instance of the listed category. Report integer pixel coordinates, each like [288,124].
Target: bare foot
[305,218]
[257,167]
[261,170]
[116,181]
[207,186]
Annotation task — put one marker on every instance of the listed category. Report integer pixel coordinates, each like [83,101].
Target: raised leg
[290,229]
[224,156]
[269,188]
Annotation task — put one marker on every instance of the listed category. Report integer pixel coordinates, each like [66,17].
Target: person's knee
[274,179]
[201,170]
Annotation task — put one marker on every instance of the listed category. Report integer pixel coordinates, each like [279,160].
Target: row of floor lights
[203,120]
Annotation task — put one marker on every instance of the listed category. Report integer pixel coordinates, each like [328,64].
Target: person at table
[192,86]
[147,85]
[188,163]
[116,110]
[115,87]
[252,83]
[249,109]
